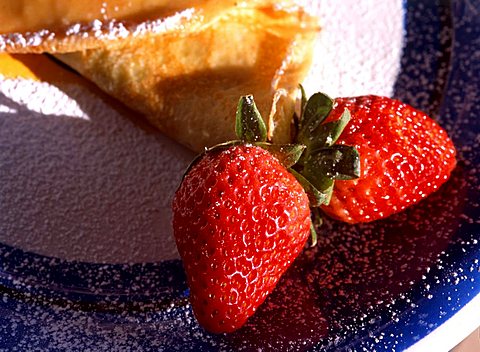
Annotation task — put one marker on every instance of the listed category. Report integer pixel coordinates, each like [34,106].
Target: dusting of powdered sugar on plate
[80,181]
[38,99]
[376,286]
[358,49]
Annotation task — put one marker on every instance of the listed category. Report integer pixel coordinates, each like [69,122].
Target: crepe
[187,83]
[182,64]
[36,26]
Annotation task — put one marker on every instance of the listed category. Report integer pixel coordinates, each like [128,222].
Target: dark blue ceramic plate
[380,286]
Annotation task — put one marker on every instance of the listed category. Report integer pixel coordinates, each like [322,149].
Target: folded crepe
[185,78]
[35,26]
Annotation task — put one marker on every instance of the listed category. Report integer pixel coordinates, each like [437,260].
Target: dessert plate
[396,284]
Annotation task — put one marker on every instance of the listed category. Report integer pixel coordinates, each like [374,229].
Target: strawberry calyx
[249,124]
[322,162]
[313,158]
[251,129]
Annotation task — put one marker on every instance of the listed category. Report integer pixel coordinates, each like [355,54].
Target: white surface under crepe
[80,181]
[358,50]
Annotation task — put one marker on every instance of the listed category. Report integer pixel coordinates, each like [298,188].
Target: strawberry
[240,218]
[404,156]
[241,214]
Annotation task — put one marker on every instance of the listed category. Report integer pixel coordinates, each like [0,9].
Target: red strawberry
[240,219]
[404,156]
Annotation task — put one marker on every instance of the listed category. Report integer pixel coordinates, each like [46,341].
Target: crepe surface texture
[187,83]
[36,26]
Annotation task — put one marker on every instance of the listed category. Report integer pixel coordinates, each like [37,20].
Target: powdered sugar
[358,49]
[106,30]
[41,98]
[81,181]
[369,287]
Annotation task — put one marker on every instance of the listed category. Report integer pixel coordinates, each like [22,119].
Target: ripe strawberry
[239,219]
[404,156]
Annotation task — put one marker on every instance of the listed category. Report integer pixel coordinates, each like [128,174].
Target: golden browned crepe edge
[109,27]
[83,36]
[285,84]
[277,102]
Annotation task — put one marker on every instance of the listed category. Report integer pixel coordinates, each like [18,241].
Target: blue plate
[378,286]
